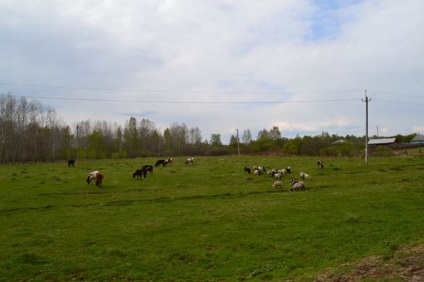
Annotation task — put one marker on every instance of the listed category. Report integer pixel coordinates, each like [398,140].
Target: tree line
[32,132]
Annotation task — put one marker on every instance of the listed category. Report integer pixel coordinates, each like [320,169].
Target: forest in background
[32,132]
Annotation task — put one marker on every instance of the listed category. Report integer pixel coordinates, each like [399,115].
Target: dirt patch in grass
[404,264]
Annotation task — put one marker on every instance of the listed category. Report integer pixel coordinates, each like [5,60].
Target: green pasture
[209,221]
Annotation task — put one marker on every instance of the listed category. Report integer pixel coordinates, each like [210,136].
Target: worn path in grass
[405,264]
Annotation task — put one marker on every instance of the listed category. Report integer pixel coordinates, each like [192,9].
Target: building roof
[418,138]
[382,141]
[341,141]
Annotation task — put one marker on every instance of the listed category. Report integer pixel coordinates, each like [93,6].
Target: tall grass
[204,222]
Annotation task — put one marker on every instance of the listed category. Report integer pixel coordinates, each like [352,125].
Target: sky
[302,65]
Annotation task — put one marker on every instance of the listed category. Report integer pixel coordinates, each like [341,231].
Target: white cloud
[220,51]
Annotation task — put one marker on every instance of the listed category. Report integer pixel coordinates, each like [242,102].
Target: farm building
[388,142]
[417,140]
[382,141]
[340,141]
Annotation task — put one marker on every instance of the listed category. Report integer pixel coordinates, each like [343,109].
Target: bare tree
[178,137]
[54,124]
[246,137]
[146,130]
[8,128]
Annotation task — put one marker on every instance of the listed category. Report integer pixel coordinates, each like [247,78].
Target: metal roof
[418,137]
[381,141]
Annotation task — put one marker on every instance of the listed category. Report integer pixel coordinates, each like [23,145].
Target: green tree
[131,138]
[216,140]
[119,151]
[274,133]
[234,144]
[95,145]
[293,146]
[267,140]
[167,139]
[263,134]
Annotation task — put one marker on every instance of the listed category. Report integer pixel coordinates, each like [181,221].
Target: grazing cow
[91,176]
[143,171]
[71,163]
[320,164]
[247,169]
[96,176]
[160,162]
[168,161]
[148,168]
[189,161]
[99,179]
[140,173]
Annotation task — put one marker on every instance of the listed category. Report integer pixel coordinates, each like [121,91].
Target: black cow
[148,168]
[140,173]
[160,162]
[71,163]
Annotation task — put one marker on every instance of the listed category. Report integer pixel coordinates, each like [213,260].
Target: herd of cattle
[295,184]
[97,177]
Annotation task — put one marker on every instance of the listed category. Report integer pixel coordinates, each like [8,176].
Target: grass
[205,222]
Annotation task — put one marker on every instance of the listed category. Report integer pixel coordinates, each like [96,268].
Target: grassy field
[205,222]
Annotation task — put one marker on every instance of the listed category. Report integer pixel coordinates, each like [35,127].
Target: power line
[204,92]
[173,91]
[398,102]
[197,92]
[396,94]
[185,102]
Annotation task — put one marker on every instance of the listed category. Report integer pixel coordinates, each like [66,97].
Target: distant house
[341,141]
[382,141]
[417,140]
[388,142]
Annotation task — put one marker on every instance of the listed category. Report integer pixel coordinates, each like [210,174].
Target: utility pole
[238,144]
[77,142]
[366,125]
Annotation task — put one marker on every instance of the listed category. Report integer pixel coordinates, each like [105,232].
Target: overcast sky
[300,65]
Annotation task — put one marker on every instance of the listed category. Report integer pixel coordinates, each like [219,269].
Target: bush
[382,151]
[342,150]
